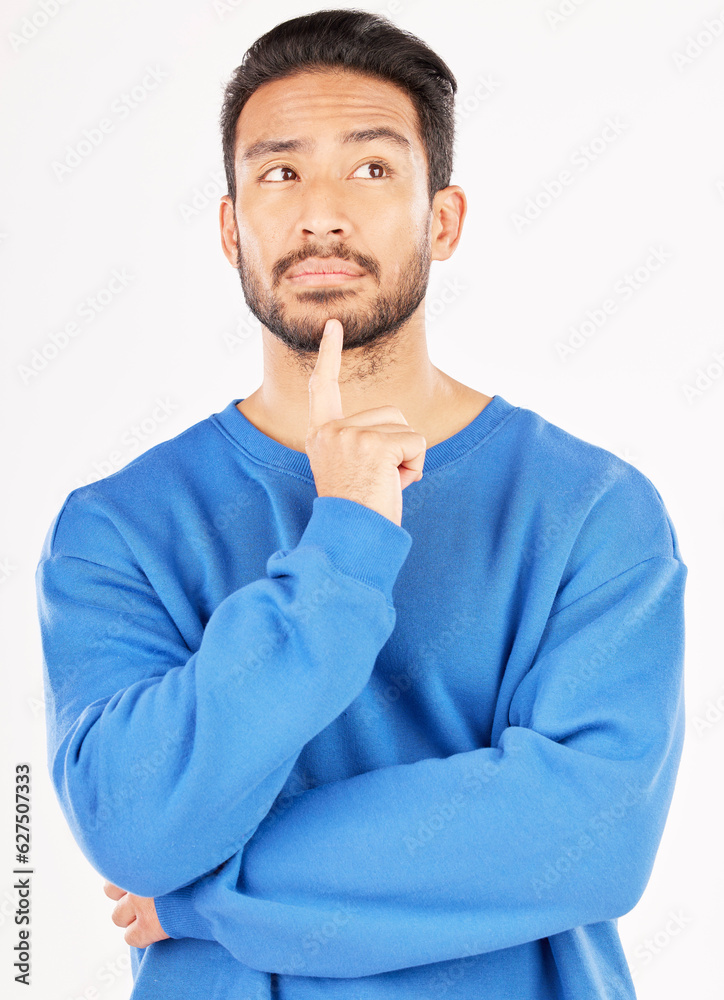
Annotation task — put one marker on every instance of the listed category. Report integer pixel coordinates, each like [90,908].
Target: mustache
[343,253]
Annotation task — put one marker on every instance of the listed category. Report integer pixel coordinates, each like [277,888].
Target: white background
[180,332]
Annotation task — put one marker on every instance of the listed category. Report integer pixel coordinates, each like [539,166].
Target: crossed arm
[553,826]
[556,826]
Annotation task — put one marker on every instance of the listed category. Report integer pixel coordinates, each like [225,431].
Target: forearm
[554,827]
[169,776]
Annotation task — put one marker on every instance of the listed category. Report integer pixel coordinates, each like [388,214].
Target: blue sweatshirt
[352,759]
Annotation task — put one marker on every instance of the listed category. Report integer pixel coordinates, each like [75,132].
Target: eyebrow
[265,147]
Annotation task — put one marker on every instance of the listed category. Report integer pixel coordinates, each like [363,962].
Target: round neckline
[264,449]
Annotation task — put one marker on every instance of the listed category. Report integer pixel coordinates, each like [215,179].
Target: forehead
[327,101]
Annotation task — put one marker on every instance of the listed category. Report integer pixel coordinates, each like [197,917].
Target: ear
[227,222]
[449,208]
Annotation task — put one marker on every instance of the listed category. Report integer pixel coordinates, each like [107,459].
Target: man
[319,737]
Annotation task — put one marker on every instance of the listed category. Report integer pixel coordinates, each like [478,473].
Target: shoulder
[598,513]
[164,479]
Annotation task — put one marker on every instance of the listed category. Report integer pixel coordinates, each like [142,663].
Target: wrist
[178,916]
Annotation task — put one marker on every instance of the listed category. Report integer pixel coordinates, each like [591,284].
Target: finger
[135,935]
[407,478]
[124,912]
[367,420]
[140,936]
[325,400]
[409,448]
[112,891]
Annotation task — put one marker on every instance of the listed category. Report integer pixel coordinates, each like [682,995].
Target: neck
[398,373]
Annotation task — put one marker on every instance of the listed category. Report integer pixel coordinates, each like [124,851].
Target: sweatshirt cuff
[178,916]
[358,541]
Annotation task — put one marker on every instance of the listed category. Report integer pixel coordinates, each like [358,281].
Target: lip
[323,278]
[316,267]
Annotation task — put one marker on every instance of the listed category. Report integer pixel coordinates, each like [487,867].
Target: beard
[371,326]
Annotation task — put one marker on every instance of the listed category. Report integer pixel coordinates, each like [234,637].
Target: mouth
[323,278]
[315,271]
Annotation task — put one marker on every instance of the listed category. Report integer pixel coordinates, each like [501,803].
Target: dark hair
[361,41]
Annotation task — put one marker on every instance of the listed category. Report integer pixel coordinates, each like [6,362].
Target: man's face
[364,202]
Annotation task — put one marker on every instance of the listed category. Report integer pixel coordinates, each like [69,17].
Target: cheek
[252,247]
[263,239]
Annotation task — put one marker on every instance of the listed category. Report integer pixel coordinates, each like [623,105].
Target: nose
[322,212]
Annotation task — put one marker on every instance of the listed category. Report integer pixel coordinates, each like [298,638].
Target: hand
[138,913]
[369,457]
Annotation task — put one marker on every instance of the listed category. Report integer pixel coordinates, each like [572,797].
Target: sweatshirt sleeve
[555,826]
[164,760]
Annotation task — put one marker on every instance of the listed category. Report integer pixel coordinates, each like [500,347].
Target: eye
[375,164]
[271,171]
